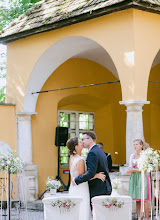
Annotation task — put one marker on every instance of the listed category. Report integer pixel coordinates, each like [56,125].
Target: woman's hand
[130,170]
[100,176]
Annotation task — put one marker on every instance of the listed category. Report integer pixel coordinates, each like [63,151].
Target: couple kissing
[91,177]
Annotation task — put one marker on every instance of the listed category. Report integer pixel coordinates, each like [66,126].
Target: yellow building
[57,45]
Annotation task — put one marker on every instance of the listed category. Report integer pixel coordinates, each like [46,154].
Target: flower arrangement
[66,204]
[149,160]
[115,183]
[12,161]
[52,184]
[112,203]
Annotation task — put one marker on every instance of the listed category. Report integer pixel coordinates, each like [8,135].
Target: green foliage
[11,9]
[2,72]
[2,94]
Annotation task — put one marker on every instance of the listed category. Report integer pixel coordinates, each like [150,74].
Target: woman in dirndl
[135,181]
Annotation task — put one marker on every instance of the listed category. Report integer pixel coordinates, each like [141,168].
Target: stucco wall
[8,135]
[8,125]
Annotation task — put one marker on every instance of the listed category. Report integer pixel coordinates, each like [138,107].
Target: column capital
[26,113]
[134,105]
[25,116]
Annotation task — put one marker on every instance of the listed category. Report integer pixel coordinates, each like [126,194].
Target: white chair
[56,213]
[100,212]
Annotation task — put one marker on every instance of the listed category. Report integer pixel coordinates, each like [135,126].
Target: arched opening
[77,65]
[70,47]
[152,111]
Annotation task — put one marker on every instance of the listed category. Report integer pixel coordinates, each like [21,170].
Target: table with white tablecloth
[61,213]
[109,211]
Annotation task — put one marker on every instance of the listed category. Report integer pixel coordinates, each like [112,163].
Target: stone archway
[70,47]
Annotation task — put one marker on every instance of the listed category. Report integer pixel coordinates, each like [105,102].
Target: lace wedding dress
[81,190]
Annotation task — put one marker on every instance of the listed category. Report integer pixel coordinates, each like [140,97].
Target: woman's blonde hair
[140,142]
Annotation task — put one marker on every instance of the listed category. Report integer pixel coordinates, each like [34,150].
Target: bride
[78,167]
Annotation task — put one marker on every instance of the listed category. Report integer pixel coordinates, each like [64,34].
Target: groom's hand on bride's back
[100,176]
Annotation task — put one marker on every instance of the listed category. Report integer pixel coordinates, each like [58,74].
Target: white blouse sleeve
[130,160]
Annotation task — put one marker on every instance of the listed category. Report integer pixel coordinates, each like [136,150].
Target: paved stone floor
[25,215]
[36,215]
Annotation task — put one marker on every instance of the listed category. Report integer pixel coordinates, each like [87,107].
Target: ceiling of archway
[92,102]
[98,55]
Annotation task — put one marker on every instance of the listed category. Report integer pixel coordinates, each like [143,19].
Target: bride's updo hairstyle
[71,143]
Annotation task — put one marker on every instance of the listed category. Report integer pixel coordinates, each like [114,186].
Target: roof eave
[100,12]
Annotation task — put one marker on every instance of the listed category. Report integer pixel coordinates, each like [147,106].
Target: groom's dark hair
[91,134]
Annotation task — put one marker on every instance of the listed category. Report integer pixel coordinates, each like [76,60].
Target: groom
[96,162]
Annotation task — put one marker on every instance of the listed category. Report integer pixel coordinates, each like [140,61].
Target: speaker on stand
[60,140]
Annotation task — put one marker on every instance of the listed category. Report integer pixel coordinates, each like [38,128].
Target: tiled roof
[51,14]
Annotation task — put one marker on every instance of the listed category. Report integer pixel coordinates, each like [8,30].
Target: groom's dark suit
[96,162]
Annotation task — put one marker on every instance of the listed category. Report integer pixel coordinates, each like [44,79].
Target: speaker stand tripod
[58,174]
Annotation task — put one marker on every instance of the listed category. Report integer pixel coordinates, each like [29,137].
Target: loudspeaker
[61,136]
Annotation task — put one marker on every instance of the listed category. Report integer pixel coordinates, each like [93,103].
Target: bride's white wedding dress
[81,190]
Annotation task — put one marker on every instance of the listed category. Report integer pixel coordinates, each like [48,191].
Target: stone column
[134,124]
[24,142]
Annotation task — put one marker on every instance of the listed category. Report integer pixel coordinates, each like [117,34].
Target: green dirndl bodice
[135,186]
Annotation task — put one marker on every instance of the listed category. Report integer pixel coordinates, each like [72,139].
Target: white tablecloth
[54,213]
[113,213]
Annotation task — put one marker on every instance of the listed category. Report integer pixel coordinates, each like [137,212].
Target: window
[77,123]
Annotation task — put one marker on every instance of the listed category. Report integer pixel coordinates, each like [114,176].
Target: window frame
[77,130]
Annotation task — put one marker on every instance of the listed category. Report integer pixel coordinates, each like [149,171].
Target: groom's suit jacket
[96,162]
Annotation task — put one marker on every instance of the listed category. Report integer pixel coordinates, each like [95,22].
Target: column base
[30,183]
[123,169]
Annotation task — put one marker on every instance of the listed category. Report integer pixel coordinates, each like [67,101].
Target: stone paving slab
[39,215]
[25,215]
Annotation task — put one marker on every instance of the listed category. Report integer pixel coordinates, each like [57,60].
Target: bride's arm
[80,167]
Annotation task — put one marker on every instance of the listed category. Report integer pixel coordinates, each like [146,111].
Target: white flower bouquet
[52,184]
[115,183]
[12,162]
[149,160]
